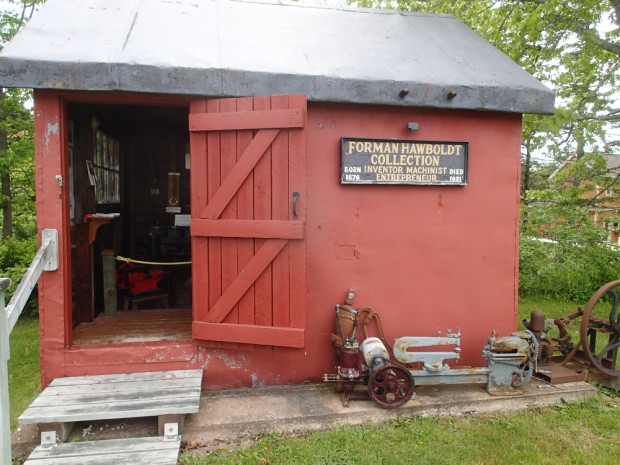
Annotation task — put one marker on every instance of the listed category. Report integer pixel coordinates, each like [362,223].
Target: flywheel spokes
[600,328]
[391,386]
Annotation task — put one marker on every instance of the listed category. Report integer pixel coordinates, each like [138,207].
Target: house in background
[289,153]
[607,211]
[600,190]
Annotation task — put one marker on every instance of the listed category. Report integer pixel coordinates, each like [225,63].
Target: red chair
[141,284]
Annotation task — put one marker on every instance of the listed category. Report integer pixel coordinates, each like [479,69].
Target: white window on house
[107,169]
[609,192]
[610,225]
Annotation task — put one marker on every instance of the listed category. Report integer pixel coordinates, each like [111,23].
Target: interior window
[107,170]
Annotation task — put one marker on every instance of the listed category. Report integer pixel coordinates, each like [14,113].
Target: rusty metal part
[601,320]
[390,385]
[517,343]
[564,342]
[546,349]
[367,315]
[537,321]
[346,323]
[348,363]
[536,325]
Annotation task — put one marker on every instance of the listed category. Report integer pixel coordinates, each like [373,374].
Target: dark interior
[130,197]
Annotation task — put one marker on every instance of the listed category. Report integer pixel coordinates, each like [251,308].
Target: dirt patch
[113,429]
[27,437]
[23,442]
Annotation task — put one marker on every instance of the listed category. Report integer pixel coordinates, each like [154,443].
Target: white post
[5,413]
[46,259]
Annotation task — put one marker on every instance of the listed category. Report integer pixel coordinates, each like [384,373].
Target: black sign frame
[403,162]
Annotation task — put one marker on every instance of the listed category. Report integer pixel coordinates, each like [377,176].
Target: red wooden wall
[427,258]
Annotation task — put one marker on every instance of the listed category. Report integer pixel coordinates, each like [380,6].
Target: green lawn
[24,381]
[585,433]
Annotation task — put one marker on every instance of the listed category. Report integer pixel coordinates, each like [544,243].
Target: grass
[581,433]
[552,308]
[24,381]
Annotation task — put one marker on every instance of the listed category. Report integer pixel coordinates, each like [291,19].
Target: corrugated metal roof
[241,48]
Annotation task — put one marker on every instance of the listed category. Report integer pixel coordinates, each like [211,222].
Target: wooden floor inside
[136,326]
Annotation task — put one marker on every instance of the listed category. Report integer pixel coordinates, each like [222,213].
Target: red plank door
[247,226]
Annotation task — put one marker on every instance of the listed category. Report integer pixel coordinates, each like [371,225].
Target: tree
[16,135]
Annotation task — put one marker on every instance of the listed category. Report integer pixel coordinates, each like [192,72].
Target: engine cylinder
[348,358]
[372,348]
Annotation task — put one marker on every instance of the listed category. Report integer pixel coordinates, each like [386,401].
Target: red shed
[255,161]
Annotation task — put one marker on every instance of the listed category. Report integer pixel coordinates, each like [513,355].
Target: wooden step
[134,451]
[168,395]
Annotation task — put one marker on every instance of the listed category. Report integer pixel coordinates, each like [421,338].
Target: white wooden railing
[46,259]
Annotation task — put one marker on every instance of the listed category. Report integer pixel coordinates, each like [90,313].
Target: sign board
[390,161]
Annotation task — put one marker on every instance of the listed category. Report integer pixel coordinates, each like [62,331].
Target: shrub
[15,258]
[564,270]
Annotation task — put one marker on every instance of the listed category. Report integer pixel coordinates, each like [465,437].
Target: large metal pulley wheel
[527,368]
[524,375]
[600,328]
[391,386]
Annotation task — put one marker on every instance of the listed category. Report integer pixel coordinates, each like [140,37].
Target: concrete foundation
[232,417]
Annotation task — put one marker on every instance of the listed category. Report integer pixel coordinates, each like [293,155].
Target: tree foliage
[565,271]
[18,243]
[16,138]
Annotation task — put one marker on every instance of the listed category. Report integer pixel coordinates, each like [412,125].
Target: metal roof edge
[239,83]
[347,8]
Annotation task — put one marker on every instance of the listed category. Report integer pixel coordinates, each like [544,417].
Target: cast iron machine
[367,369]
[389,383]
[595,355]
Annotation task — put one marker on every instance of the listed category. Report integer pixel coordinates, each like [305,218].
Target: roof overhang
[242,48]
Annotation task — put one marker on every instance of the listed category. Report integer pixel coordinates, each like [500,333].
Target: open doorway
[129,211]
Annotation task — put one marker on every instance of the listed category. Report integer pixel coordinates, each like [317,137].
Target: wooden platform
[136,326]
[84,398]
[138,451]
[168,395]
